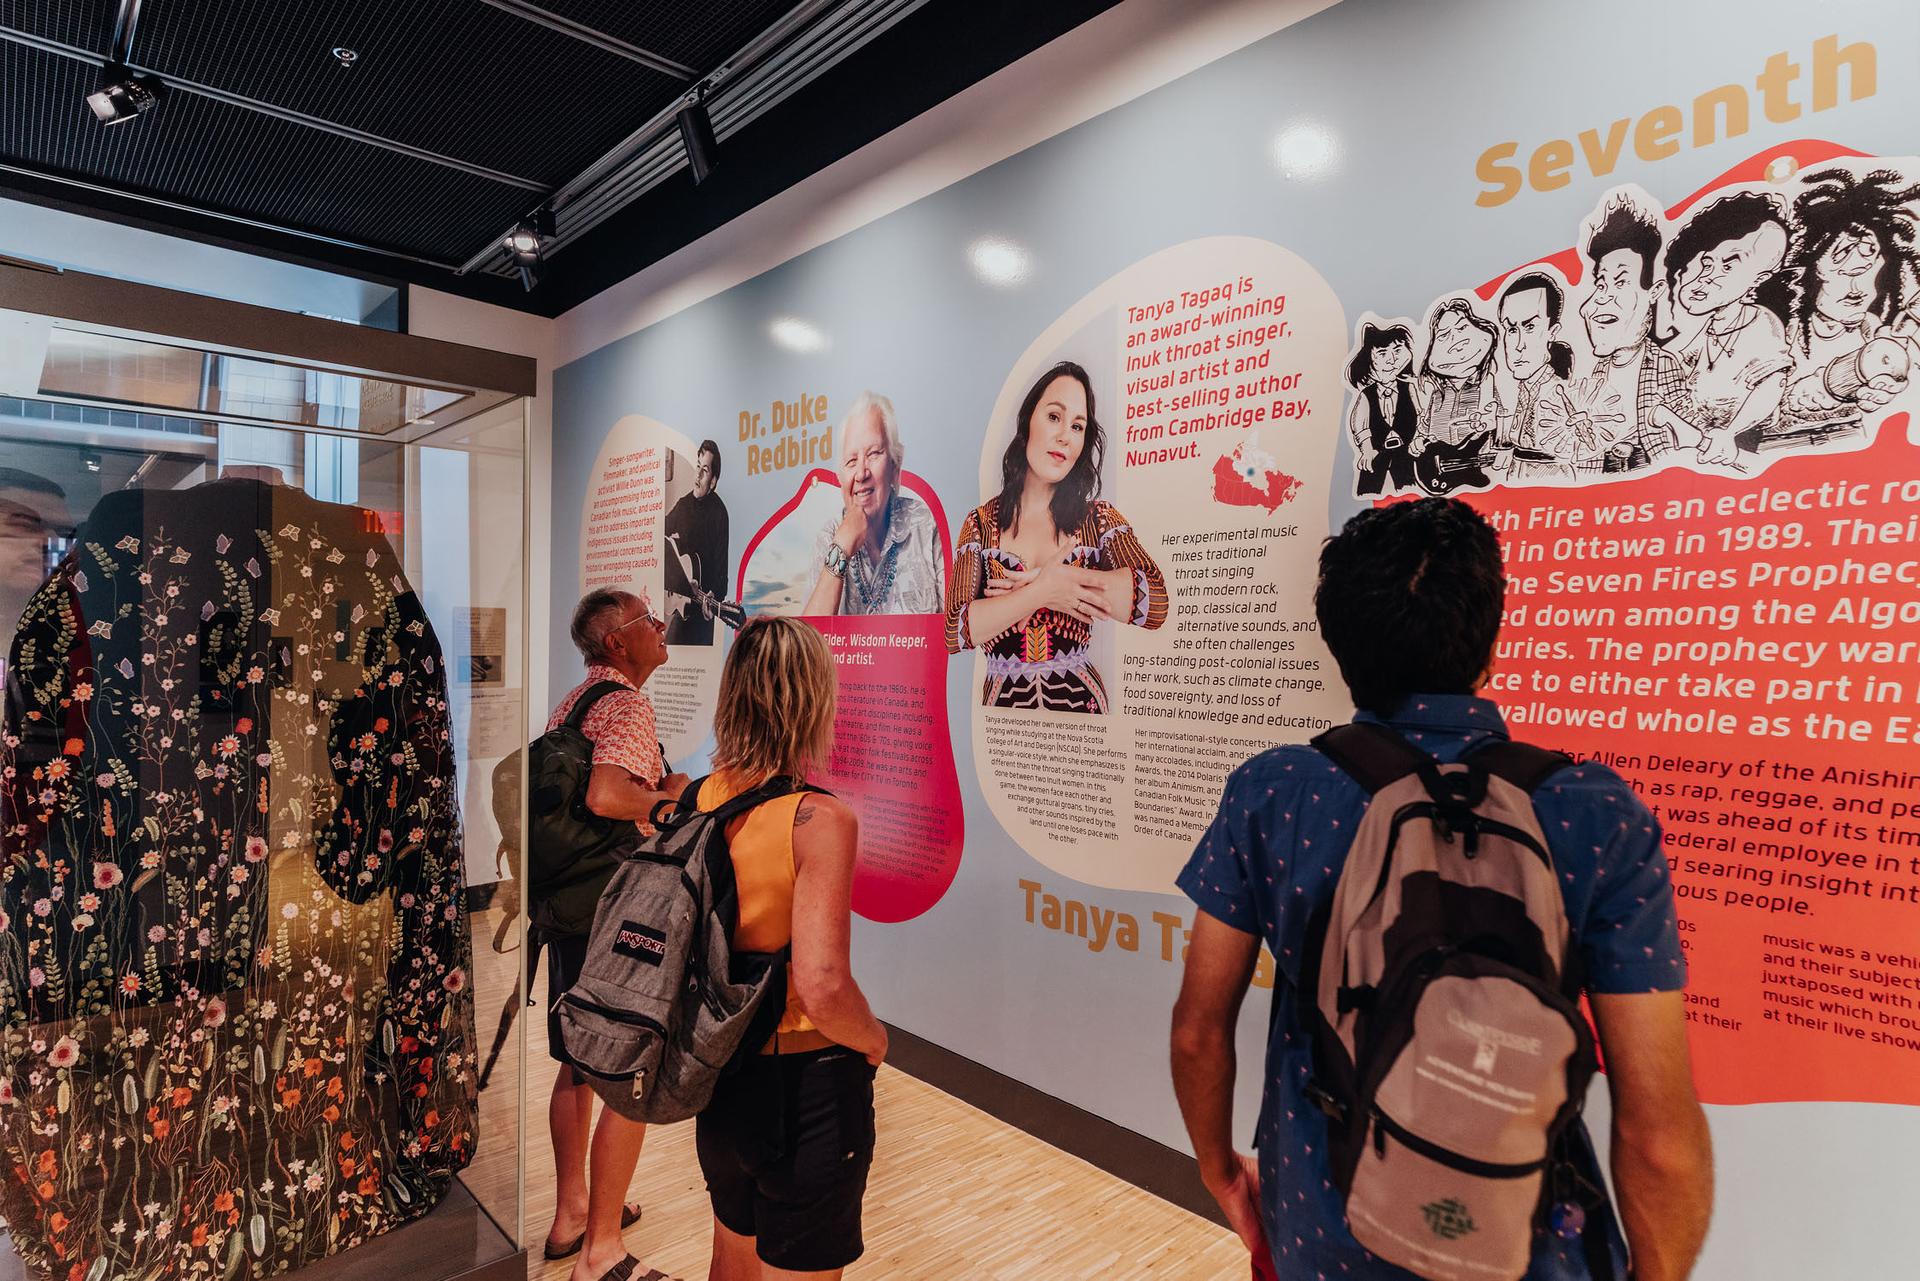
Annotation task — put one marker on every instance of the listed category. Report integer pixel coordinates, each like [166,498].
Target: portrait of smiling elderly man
[881,555]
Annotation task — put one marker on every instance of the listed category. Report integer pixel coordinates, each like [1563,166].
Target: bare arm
[828,587]
[826,836]
[614,793]
[991,615]
[1220,962]
[824,599]
[1662,1153]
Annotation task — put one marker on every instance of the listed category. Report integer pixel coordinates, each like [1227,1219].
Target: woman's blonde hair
[777,689]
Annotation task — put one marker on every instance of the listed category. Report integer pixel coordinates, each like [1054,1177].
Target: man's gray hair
[889,427]
[595,618]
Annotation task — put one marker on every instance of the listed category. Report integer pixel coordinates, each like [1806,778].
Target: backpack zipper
[1427,809]
[631,1018]
[1384,1125]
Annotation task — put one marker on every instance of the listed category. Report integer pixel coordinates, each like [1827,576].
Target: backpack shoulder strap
[1372,754]
[771,790]
[583,706]
[683,809]
[1522,764]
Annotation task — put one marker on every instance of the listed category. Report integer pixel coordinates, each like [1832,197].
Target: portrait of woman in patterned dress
[1036,566]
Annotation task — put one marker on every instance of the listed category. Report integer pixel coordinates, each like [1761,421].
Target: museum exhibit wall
[1641,284]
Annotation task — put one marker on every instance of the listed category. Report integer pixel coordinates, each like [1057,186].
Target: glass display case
[263,593]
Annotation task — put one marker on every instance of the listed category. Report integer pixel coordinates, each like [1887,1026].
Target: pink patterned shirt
[620,726]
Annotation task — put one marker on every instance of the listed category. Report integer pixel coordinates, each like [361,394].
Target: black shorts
[565,957]
[785,1147]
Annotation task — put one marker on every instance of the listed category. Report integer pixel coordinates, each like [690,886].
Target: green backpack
[571,851]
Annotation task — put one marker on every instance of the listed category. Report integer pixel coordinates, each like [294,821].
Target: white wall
[1127,51]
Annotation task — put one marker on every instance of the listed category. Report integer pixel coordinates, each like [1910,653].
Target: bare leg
[733,1256]
[616,1150]
[569,1120]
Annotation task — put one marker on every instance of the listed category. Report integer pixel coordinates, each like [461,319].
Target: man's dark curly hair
[1409,599]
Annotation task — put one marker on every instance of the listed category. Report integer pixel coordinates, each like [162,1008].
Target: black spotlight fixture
[122,96]
[696,133]
[528,245]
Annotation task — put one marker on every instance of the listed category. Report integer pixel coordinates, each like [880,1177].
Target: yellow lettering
[1862,71]
[1734,99]
[1502,180]
[1775,85]
[1601,159]
[1654,138]
[1548,168]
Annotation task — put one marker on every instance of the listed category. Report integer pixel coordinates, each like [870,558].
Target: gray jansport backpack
[663,1002]
[1450,1053]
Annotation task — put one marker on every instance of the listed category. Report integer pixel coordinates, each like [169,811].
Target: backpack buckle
[1322,1098]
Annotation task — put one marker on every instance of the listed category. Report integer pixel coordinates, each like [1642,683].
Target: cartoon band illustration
[1767,319]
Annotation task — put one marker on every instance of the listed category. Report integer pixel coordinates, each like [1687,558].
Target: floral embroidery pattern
[236,1031]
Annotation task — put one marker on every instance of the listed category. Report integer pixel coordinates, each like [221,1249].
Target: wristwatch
[836,561]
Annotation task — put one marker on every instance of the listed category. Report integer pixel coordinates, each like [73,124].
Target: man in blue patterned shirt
[1410,600]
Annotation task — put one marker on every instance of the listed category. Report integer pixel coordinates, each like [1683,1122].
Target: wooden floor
[954,1193]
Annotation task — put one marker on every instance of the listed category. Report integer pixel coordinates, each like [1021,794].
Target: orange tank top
[762,844]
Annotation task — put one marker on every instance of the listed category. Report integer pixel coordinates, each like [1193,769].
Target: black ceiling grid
[217,156]
[457,115]
[935,52]
[86,24]
[693,33]
[455,77]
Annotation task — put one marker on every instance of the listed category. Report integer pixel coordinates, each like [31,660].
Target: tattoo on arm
[804,814]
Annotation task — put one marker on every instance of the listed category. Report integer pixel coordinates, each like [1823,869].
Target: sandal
[629,1215]
[625,1270]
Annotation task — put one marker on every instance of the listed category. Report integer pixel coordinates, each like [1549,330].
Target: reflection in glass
[139,371]
[237,987]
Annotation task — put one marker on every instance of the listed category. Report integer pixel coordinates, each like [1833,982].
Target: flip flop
[629,1215]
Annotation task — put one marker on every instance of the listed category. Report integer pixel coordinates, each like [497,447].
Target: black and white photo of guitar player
[695,562]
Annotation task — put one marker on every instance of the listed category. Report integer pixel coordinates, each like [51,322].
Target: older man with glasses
[623,643]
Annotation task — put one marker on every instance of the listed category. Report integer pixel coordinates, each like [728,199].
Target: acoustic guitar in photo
[730,612]
[1445,468]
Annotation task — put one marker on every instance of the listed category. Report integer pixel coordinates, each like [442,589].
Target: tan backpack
[1450,1053]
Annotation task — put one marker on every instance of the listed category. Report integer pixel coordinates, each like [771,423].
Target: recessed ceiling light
[797,335]
[1306,151]
[345,56]
[998,261]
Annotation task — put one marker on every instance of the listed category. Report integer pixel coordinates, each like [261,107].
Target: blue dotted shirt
[1273,854]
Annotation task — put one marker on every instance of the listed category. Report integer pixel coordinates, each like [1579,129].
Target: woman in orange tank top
[787,1142]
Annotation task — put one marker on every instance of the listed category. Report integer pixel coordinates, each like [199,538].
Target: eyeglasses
[648,617]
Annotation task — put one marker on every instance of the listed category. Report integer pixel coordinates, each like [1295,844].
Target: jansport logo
[642,944]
